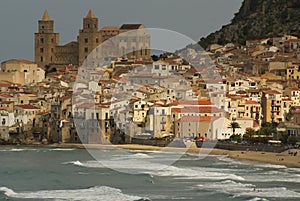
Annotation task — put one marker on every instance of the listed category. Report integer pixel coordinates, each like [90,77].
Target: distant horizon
[193,18]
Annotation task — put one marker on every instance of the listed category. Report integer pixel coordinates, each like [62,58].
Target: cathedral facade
[48,51]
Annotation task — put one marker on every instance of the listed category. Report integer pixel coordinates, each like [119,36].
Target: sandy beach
[264,157]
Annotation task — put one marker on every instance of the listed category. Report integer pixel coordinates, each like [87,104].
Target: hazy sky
[194,18]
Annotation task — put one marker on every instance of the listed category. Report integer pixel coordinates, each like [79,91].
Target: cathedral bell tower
[45,41]
[89,36]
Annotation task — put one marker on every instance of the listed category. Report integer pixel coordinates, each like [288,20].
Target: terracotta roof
[6,95]
[110,28]
[252,103]
[6,102]
[272,92]
[30,107]
[65,98]
[294,89]
[86,105]
[192,102]
[198,109]
[25,61]
[197,119]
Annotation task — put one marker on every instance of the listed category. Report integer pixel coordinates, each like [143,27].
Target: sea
[42,173]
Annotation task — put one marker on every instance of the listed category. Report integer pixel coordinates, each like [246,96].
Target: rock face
[258,19]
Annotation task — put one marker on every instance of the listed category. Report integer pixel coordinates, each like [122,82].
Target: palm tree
[234,125]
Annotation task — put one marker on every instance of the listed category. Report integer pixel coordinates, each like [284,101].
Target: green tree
[234,125]
[249,135]
[268,128]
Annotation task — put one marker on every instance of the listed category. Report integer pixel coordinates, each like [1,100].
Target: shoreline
[283,158]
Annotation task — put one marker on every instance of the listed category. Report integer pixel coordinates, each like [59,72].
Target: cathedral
[49,52]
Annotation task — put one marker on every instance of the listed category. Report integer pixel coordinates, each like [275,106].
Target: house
[293,72]
[26,113]
[199,126]
[271,103]
[20,71]
[160,68]
[294,94]
[159,120]
[140,111]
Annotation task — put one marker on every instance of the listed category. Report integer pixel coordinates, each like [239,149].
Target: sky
[193,18]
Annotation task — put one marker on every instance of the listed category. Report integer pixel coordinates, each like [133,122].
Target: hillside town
[231,92]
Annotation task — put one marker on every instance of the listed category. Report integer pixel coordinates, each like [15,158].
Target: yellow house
[19,71]
[271,103]
[293,73]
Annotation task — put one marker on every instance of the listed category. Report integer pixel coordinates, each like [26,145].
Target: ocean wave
[274,178]
[62,149]
[132,156]
[258,199]
[97,193]
[197,173]
[228,186]
[239,189]
[16,150]
[161,170]
[276,192]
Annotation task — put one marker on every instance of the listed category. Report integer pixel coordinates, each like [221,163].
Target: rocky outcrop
[258,19]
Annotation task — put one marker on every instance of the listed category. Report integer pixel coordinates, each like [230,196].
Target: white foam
[228,186]
[258,199]
[98,193]
[266,165]
[161,170]
[238,189]
[277,192]
[61,149]
[17,150]
[196,173]
[132,156]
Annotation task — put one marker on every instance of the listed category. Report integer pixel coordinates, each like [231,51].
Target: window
[41,50]
[52,40]
[164,67]
[97,40]
[42,58]
[52,50]
[86,49]
[86,40]
[156,67]
[42,40]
